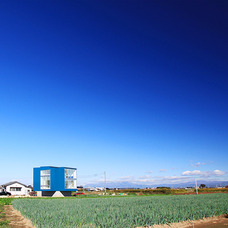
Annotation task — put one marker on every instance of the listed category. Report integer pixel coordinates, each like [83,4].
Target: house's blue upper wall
[57,178]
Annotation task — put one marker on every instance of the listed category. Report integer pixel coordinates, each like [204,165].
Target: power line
[105,181]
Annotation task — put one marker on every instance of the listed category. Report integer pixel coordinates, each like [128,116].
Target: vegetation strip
[121,212]
[3,221]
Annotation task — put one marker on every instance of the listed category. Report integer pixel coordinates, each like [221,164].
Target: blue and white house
[54,181]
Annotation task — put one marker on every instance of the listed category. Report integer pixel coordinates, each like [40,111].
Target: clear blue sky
[138,89]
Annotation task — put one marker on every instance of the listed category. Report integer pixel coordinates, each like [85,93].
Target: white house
[17,189]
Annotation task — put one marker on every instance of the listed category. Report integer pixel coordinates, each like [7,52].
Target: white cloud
[126,178]
[144,177]
[163,170]
[191,173]
[165,180]
[147,181]
[197,164]
[219,172]
[203,173]
[174,178]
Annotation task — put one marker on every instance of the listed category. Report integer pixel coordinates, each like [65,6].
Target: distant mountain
[115,185]
[210,184]
[180,185]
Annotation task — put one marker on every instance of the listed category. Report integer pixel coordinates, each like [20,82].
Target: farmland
[121,211]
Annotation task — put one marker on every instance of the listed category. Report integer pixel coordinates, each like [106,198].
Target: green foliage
[120,212]
[181,191]
[4,223]
[163,188]
[6,201]
[132,194]
[144,191]
[213,190]
[202,186]
[167,191]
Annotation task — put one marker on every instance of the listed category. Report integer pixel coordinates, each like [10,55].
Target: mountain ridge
[126,184]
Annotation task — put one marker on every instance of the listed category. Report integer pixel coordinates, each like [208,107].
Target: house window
[70,178]
[14,189]
[45,179]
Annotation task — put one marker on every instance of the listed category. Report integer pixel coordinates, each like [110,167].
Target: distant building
[100,189]
[17,189]
[54,181]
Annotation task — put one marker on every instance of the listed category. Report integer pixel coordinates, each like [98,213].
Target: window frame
[70,177]
[15,189]
[48,178]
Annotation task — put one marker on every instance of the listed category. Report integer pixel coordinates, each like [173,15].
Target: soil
[16,219]
[200,193]
[213,222]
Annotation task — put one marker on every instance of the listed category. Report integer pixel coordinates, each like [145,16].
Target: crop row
[121,212]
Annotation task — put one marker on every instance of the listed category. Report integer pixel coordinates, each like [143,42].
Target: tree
[202,186]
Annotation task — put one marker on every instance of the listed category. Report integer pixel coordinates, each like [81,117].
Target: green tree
[202,186]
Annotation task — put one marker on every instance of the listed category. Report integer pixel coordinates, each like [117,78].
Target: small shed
[54,181]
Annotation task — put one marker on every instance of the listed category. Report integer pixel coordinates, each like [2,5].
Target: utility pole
[196,186]
[105,181]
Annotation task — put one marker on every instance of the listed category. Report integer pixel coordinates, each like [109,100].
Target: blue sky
[138,89]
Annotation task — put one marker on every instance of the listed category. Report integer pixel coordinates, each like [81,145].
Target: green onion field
[120,211]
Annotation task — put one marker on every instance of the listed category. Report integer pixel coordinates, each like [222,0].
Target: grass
[4,224]
[4,201]
[120,211]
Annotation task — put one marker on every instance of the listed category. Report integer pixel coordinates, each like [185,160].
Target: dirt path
[16,219]
[213,222]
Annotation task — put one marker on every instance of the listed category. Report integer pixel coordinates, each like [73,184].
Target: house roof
[13,182]
[56,167]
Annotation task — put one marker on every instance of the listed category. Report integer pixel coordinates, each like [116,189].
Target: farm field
[121,211]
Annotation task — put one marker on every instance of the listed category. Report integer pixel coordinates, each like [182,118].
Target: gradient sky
[136,88]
